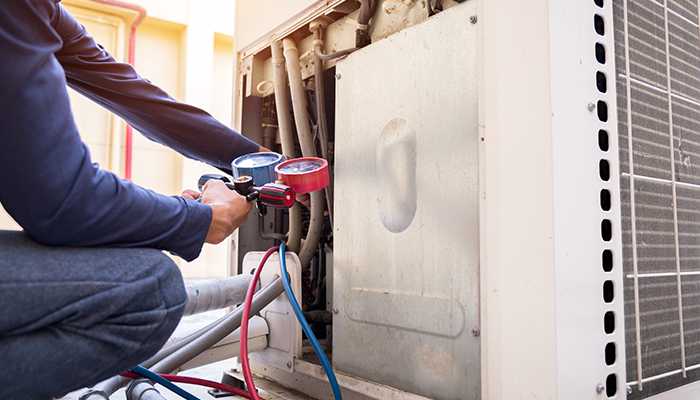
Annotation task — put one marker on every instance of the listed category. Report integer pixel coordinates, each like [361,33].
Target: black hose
[367,8]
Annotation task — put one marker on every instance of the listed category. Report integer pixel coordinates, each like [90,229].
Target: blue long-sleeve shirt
[48,182]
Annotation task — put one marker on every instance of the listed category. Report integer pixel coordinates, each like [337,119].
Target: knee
[173,298]
[172,287]
[162,301]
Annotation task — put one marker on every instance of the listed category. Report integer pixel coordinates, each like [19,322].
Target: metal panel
[406,262]
[658,70]
[586,203]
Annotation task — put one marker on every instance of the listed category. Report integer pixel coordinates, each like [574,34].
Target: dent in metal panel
[406,271]
[396,170]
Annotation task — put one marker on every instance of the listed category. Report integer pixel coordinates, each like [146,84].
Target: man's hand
[228,209]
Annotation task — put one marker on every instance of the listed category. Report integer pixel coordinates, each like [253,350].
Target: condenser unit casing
[517,200]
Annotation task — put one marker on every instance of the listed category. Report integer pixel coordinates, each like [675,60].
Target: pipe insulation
[308,149]
[142,389]
[191,350]
[228,323]
[299,102]
[286,130]
[210,295]
[317,28]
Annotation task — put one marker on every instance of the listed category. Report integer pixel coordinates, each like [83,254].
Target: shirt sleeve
[48,182]
[94,73]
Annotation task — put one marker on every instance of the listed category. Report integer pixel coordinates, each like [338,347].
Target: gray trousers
[71,317]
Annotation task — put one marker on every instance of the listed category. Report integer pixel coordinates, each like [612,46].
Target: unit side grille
[657,55]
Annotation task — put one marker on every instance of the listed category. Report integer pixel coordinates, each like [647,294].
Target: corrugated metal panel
[665,197]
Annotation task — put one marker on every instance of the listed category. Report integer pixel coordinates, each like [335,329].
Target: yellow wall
[159,59]
[186,48]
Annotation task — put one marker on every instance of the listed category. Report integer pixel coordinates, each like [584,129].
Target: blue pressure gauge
[259,166]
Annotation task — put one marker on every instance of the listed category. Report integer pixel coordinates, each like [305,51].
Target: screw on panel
[476,332]
[473,19]
[289,364]
[335,311]
[629,389]
[337,75]
[591,107]
[600,388]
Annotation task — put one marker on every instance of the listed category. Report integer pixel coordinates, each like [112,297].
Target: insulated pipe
[172,362]
[215,294]
[142,389]
[317,28]
[228,323]
[284,123]
[308,149]
[299,102]
[131,59]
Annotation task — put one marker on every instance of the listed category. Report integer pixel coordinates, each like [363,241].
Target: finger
[191,194]
[212,183]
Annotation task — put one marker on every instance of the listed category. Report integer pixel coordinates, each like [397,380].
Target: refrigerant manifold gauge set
[272,181]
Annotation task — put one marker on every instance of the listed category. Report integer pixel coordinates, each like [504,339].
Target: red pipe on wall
[131,58]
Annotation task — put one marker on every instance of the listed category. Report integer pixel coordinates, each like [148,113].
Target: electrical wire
[305,325]
[152,376]
[197,381]
[245,362]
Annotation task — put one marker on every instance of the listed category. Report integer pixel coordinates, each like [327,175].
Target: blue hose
[152,376]
[305,325]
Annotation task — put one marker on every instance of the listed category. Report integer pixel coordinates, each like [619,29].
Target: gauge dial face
[300,167]
[257,160]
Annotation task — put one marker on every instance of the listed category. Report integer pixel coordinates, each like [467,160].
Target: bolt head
[335,311]
[476,332]
[289,364]
[473,19]
[591,107]
[600,388]
[337,75]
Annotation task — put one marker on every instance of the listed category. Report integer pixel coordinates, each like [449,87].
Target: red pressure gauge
[305,174]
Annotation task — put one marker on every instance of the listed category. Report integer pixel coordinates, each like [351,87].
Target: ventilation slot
[609,322]
[603,140]
[601,82]
[607,260]
[610,354]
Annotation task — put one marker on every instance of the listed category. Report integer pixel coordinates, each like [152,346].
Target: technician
[85,291]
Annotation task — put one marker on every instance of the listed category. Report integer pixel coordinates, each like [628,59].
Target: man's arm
[47,180]
[91,71]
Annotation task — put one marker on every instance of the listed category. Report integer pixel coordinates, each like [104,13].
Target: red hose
[196,381]
[245,363]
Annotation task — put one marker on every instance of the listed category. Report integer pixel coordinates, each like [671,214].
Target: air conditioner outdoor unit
[518,201]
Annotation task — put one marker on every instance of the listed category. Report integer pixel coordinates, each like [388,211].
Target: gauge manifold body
[305,174]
